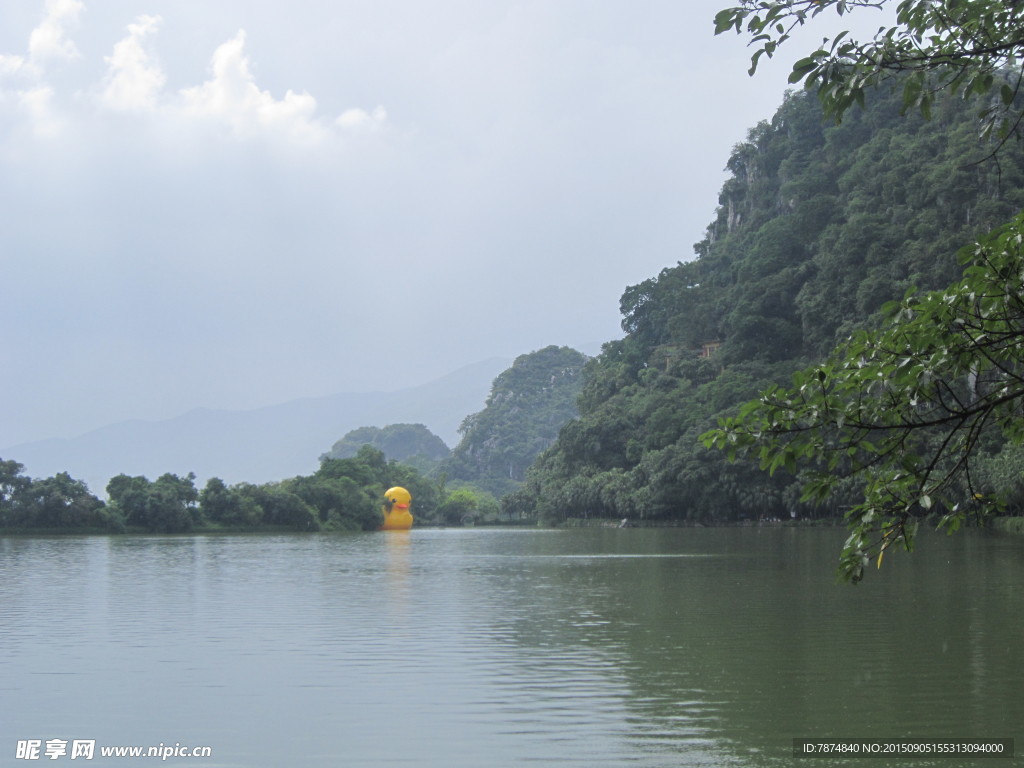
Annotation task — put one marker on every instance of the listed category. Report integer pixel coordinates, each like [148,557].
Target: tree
[367,468]
[54,503]
[461,506]
[61,502]
[467,506]
[339,501]
[281,507]
[964,46]
[13,485]
[167,505]
[228,506]
[905,408]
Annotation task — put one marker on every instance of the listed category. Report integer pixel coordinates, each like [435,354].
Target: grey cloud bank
[235,204]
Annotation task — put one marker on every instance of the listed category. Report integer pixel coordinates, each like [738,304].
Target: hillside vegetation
[411,444]
[528,405]
[817,227]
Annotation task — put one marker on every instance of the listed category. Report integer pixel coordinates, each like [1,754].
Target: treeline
[342,495]
[817,227]
[54,503]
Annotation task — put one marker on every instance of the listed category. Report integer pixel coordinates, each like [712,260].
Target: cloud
[134,80]
[48,40]
[229,97]
[361,120]
[232,96]
[29,92]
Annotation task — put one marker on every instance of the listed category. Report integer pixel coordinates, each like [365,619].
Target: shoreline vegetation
[1011,525]
[343,495]
[1002,524]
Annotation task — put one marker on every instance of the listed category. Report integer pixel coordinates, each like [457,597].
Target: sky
[236,203]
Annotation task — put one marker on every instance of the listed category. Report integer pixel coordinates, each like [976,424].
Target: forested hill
[817,227]
[411,444]
[527,406]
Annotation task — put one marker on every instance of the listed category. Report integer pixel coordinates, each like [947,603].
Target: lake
[506,647]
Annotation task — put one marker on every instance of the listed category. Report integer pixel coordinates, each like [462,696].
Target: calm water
[459,648]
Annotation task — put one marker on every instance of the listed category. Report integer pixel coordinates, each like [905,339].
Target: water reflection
[483,647]
[397,545]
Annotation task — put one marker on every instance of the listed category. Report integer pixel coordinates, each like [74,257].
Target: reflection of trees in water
[599,631]
[737,654]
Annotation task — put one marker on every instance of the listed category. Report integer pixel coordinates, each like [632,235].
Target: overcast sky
[234,203]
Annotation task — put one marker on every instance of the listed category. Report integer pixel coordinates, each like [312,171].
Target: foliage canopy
[970,47]
[411,444]
[909,408]
[527,406]
[906,407]
[52,503]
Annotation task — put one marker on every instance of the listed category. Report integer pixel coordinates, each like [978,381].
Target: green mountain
[528,404]
[817,227]
[411,444]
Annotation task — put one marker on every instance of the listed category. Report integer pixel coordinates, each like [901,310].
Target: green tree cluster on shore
[343,494]
[54,503]
[819,227]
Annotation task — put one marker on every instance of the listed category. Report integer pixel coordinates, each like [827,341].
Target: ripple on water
[468,648]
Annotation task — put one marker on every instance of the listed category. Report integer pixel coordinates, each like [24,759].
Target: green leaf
[728,18]
[802,68]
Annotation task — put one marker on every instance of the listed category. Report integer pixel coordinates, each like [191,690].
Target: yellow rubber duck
[396,510]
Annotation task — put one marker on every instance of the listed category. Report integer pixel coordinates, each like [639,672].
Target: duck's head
[397,497]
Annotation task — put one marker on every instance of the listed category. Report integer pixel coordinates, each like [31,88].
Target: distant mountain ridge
[260,445]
